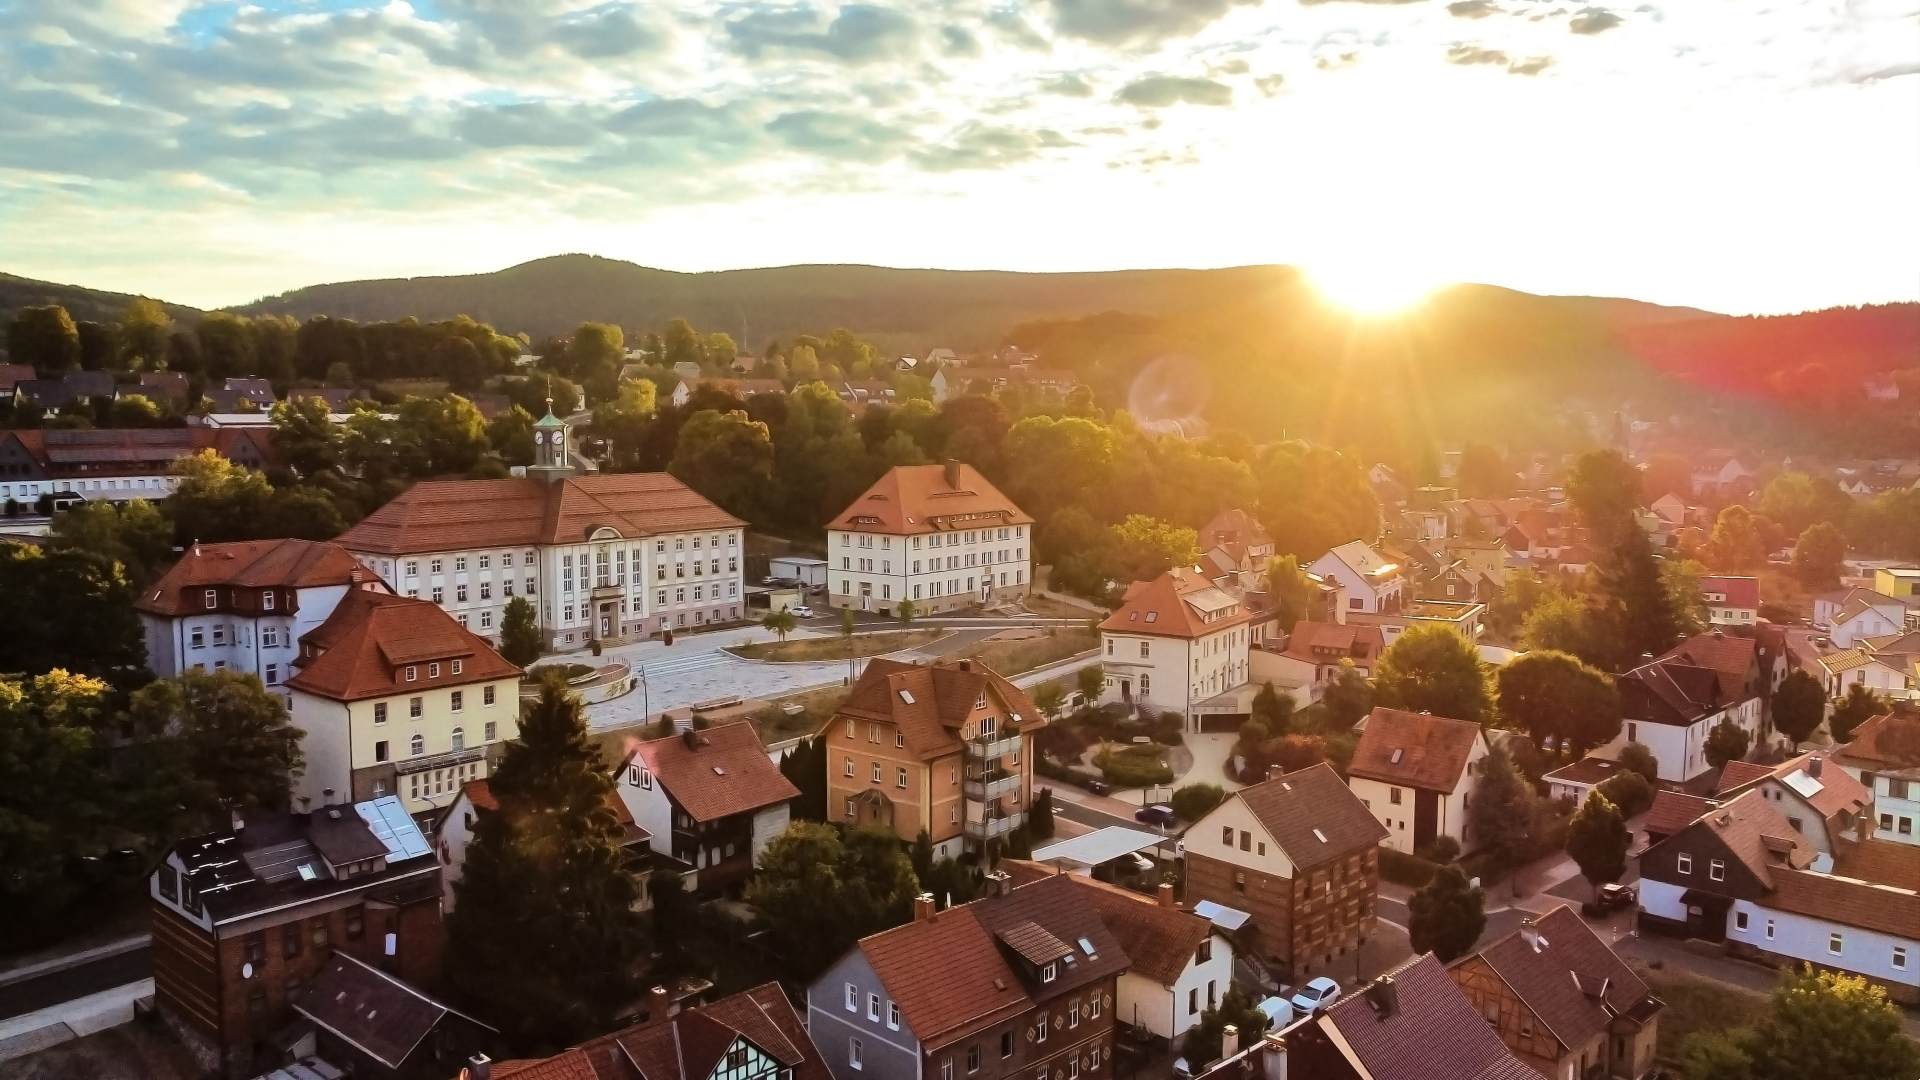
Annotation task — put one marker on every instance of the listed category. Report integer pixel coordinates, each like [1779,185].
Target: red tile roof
[1315,642]
[915,499]
[1888,741]
[1431,1033]
[1729,656]
[364,648]
[1161,941]
[687,1046]
[1740,592]
[1885,862]
[253,564]
[717,772]
[1571,980]
[1312,815]
[458,515]
[1180,603]
[1755,833]
[930,703]
[1673,810]
[1867,905]
[1414,749]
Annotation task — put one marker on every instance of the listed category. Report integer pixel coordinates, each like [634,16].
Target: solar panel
[1806,785]
[393,826]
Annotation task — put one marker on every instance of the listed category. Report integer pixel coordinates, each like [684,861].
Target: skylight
[1398,753]
[1086,946]
[718,771]
[1320,836]
[307,872]
[906,696]
[1153,616]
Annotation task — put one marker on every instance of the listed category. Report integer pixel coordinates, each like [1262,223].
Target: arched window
[459,738]
[419,745]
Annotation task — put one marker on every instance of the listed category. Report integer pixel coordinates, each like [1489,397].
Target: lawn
[835,648]
[775,725]
[1025,654]
[1697,1004]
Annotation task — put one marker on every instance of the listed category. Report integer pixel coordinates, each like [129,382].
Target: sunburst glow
[1371,288]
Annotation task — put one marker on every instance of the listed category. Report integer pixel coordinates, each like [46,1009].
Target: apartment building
[940,536]
[113,464]
[1179,643]
[1673,703]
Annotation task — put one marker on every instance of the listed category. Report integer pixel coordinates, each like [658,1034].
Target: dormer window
[433,671]
[1050,972]
[212,597]
[413,673]
[456,667]
[980,701]
[266,601]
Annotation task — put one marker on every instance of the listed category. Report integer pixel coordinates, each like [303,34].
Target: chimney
[1384,996]
[1530,934]
[923,907]
[683,725]
[478,1067]
[1165,895]
[999,882]
[966,663]
[1813,766]
[1229,1041]
[952,470]
[659,1005]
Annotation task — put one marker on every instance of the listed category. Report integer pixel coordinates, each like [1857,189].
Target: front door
[1426,817]
[606,620]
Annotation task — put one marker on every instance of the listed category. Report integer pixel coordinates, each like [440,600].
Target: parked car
[1317,994]
[1159,815]
[1096,786]
[1612,897]
[1278,1011]
[800,611]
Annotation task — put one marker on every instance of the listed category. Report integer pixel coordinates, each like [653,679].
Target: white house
[460,821]
[711,799]
[804,569]
[1884,755]
[1852,614]
[113,464]
[601,556]
[1576,780]
[1671,704]
[1176,642]
[1716,471]
[245,606]
[1731,601]
[1885,675]
[1823,802]
[941,536]
[1369,581]
[1417,772]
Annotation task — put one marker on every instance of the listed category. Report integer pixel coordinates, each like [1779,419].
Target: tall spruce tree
[1640,607]
[545,943]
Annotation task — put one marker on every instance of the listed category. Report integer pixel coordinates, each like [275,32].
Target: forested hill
[82,303]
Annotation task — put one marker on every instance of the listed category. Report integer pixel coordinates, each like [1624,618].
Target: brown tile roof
[1299,808]
[1414,749]
[718,772]
[1235,527]
[457,515]
[11,374]
[1888,741]
[1673,810]
[1180,603]
[1740,592]
[372,1010]
[915,499]
[1571,980]
[370,639]
[1432,1033]
[1883,862]
[254,564]
[1756,834]
[1161,941]
[1869,906]
[942,698]
[1738,774]
[1832,792]
[1311,641]
[686,1046]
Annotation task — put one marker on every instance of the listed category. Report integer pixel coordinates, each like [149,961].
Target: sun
[1370,288]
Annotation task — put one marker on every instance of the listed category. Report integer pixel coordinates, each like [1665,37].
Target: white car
[1278,1011]
[800,611]
[1316,995]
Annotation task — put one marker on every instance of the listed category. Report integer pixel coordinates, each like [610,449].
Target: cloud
[1068,84]
[1594,21]
[1127,22]
[607,35]
[1894,72]
[839,135]
[1473,9]
[1464,53]
[1155,91]
[860,33]
[1314,3]
[983,146]
[959,41]
[1532,65]
[1269,84]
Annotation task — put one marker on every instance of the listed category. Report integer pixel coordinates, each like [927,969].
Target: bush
[1441,850]
[1170,729]
[1629,791]
[1194,801]
[1135,767]
[1637,757]
[1402,869]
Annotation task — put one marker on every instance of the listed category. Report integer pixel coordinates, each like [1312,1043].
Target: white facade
[1877,675]
[1681,750]
[263,645]
[1161,673]
[1362,592]
[1868,622]
[420,746]
[1896,803]
[1720,613]
[941,571]
[93,489]
[1392,804]
[1826,943]
[1168,1011]
[807,571]
[645,797]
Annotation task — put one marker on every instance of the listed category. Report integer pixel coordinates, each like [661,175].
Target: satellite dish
[246,970]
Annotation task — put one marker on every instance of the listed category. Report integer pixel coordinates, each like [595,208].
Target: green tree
[305,436]
[819,893]
[1736,546]
[1040,815]
[674,914]
[1312,497]
[44,337]
[906,611]
[217,500]
[135,411]
[1201,1047]
[555,964]
[593,357]
[1727,741]
[1090,681]
[681,344]
[519,636]
[1569,624]
[226,344]
[1553,694]
[1050,698]
[1797,501]
[1446,916]
[1637,757]
[70,610]
[53,803]
[136,534]
[1605,488]
[1819,554]
[805,764]
[1501,815]
[144,327]
[1826,1024]
[780,622]
[1195,801]
[1597,840]
[727,457]
[1799,704]
[1640,609]
[1857,706]
[1433,669]
[1273,709]
[510,433]
[1289,591]
[239,741]
[444,435]
[1347,698]
[624,421]
[1483,474]
[1628,791]
[1685,598]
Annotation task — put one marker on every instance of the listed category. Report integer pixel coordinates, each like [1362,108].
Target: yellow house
[396,698]
[1899,582]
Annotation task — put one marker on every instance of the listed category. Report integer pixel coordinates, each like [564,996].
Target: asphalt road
[1499,923]
[56,987]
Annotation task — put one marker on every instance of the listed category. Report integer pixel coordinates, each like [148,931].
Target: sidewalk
[62,961]
[36,1031]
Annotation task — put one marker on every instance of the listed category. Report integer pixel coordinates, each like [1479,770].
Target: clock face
[539,437]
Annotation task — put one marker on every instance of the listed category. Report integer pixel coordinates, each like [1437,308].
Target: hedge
[1132,768]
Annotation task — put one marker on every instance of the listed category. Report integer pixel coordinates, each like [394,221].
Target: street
[56,987]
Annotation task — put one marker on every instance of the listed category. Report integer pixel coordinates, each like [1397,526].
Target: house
[712,799]
[1490,560]
[1463,617]
[1731,601]
[1824,804]
[11,376]
[1742,877]
[1886,675]
[1020,981]
[1672,510]
[601,556]
[167,389]
[1719,472]
[1461,580]
[1884,756]
[114,464]
[1180,961]
[1563,1001]
[1242,535]
[395,698]
[1295,861]
[374,1025]
[806,570]
[1858,613]
[752,1035]
[1416,772]
[1576,780]
[941,536]
[1316,651]
[457,825]
[1671,704]
[687,369]
[1371,583]
[1899,582]
[1672,811]
[1411,1023]
[244,606]
[244,918]
[1177,643]
[941,748]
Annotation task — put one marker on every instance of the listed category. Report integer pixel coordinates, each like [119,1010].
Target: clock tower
[550,461]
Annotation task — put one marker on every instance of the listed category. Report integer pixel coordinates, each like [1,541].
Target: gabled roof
[1236,527]
[916,499]
[252,564]
[1430,1033]
[459,515]
[1674,810]
[1753,832]
[1730,656]
[1414,749]
[1830,793]
[1161,941]
[716,773]
[686,1046]
[1181,603]
[364,648]
[1888,741]
[1362,559]
[930,703]
[372,1011]
[1312,815]
[1311,641]
[1568,977]
[1884,862]
[1868,905]
[1740,592]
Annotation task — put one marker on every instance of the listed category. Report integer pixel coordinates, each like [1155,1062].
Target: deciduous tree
[1553,694]
[1348,697]
[1433,669]
[1857,706]
[239,741]
[1727,741]
[1597,840]
[819,893]
[136,534]
[1289,591]
[44,337]
[519,636]
[1826,1024]
[780,622]
[67,609]
[1819,554]
[1737,546]
[726,457]
[1446,916]
[1502,811]
[1799,704]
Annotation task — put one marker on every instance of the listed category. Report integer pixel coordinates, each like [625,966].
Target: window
[321,934]
[273,674]
[1836,942]
[901,780]
[853,999]
[266,601]
[973,1059]
[270,636]
[1050,972]
[1717,870]
[1739,920]
[434,567]
[1073,1014]
[413,567]
[289,942]
[433,671]
[211,597]
[379,712]
[380,750]
[946,1069]
[1769,929]
[1073,1068]
[415,707]
[459,738]
[848,771]
[356,924]
[1246,840]
[1226,835]
[412,673]
[492,731]
[459,700]
[1899,958]
[1683,863]
[197,638]
[1145,648]
[876,772]
[873,1006]
[486,695]
[1006,1044]
[893,1015]
[853,1053]
[1093,1007]
[1040,1028]
[459,562]
[486,620]
[1393,796]
[899,739]
[418,745]
[169,883]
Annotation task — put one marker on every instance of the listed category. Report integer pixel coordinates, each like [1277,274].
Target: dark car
[1159,815]
[1611,898]
[1096,786]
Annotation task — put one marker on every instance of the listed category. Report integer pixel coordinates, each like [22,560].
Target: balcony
[609,589]
[987,785]
[990,828]
[989,749]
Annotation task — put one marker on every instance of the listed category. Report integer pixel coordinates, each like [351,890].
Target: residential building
[1562,1001]
[1296,860]
[458,824]
[1853,614]
[395,698]
[1463,617]
[1741,876]
[1315,655]
[1181,965]
[752,1035]
[1884,756]
[1241,537]
[244,919]
[1718,472]
[941,748]
[1371,583]
[1731,601]
[711,799]
[369,1024]
[11,376]
[1003,988]
[1576,780]
[1411,1023]
[601,556]
[1889,676]
[1177,643]
[1824,804]
[1899,582]
[245,606]
[1672,703]
[114,464]
[1416,772]
[941,536]
[805,570]
[1461,580]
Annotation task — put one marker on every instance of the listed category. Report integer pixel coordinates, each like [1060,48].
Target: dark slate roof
[373,1011]
[1430,1033]
[1312,815]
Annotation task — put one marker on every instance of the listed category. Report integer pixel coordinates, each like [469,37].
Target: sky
[1737,155]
